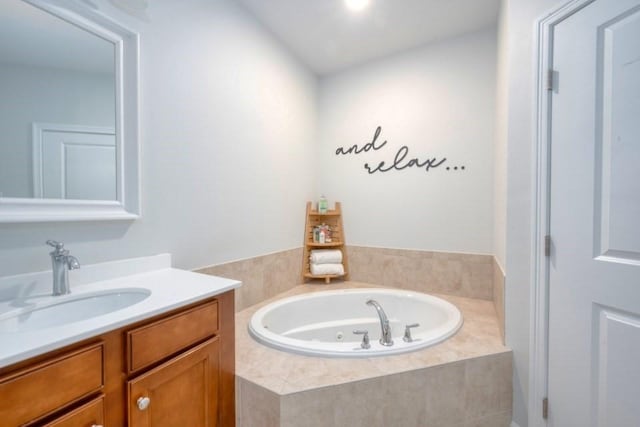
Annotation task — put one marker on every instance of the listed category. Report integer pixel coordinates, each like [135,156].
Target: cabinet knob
[143,403]
[97,425]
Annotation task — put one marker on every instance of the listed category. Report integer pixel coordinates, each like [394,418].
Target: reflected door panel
[77,164]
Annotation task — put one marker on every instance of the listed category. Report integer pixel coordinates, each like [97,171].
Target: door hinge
[550,79]
[545,408]
[547,245]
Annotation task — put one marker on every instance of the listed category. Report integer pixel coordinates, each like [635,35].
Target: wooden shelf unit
[333,218]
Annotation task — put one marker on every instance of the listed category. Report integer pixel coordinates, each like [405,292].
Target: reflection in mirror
[73,154]
[57,108]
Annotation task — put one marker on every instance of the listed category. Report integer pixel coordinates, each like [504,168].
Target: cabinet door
[181,392]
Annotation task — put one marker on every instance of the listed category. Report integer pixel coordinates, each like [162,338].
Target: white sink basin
[57,311]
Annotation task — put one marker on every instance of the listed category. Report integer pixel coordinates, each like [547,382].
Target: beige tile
[488,385]
[262,277]
[360,404]
[498,295]
[266,367]
[399,271]
[282,272]
[405,402]
[447,275]
[365,265]
[462,382]
[502,419]
[255,406]
[449,368]
[426,397]
[477,280]
[312,372]
[444,385]
[478,336]
[467,275]
[355,404]
[308,409]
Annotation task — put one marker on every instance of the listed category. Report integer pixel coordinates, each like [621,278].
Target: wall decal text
[366,147]
[400,161]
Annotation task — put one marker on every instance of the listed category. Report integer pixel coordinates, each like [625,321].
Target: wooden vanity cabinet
[183,362]
[90,414]
[180,392]
[36,391]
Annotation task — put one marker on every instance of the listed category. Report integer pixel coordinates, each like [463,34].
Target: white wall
[500,141]
[228,128]
[37,94]
[439,101]
[521,45]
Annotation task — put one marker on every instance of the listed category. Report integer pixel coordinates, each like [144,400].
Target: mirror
[68,114]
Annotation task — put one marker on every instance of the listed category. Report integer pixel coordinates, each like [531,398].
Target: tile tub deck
[464,381]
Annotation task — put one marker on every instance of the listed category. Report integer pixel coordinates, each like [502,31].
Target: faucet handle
[407,332]
[365,338]
[59,246]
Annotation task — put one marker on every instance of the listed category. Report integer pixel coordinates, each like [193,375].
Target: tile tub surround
[462,382]
[498,294]
[262,277]
[466,275]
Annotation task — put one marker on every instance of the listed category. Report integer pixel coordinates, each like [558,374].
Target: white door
[594,282]
[75,162]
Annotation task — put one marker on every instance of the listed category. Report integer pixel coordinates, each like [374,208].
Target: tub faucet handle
[407,332]
[365,338]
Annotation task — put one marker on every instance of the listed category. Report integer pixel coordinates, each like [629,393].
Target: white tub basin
[322,323]
[61,310]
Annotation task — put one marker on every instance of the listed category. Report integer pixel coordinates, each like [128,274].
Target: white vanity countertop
[170,288]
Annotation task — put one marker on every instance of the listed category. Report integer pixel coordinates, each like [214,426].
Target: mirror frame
[127,205]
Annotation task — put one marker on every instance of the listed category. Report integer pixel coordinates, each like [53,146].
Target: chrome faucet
[385,339]
[61,262]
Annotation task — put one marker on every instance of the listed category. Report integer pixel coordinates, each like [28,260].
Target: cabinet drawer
[39,390]
[151,343]
[88,415]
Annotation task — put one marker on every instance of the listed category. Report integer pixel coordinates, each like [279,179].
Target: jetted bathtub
[322,323]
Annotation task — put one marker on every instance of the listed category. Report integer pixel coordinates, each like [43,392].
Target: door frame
[539,296]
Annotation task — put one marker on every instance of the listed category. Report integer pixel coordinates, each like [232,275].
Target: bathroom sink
[57,311]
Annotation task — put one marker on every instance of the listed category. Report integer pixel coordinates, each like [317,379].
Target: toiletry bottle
[322,238]
[323,205]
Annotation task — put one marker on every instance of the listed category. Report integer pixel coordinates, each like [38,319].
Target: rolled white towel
[326,256]
[327,269]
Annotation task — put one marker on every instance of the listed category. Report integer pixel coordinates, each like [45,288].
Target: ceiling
[327,37]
